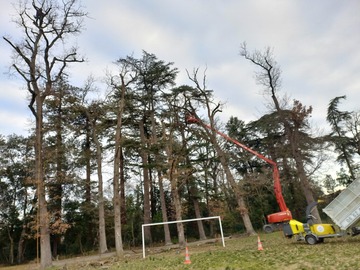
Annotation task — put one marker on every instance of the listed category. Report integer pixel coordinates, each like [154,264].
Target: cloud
[14,122]
[314,42]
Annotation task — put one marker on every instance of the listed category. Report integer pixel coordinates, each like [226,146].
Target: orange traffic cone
[260,247]
[187,257]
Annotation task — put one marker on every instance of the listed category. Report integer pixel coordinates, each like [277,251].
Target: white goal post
[180,221]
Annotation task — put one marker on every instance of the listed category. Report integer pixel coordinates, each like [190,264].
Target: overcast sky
[316,44]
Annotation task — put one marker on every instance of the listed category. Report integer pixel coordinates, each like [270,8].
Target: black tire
[311,239]
[268,229]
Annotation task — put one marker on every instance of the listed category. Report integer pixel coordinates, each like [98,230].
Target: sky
[315,43]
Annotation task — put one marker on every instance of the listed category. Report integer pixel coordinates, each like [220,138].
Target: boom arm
[285,214]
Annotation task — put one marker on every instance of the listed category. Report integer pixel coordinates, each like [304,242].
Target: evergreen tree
[343,144]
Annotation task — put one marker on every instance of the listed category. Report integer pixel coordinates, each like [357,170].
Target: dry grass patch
[240,253]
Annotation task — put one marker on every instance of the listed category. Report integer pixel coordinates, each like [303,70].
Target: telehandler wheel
[311,239]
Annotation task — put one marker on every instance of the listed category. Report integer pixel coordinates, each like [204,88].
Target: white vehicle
[344,210]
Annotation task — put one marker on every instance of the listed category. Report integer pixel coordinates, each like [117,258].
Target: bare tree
[212,109]
[293,120]
[41,61]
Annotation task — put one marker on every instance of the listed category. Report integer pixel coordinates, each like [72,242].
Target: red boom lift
[276,219]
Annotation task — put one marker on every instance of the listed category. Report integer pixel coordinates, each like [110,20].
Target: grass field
[241,252]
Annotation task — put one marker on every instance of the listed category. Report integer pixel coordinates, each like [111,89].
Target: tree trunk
[117,205]
[154,138]
[292,135]
[87,151]
[45,248]
[118,170]
[208,199]
[193,195]
[306,187]
[202,234]
[177,205]
[193,191]
[163,211]
[22,240]
[348,162]
[122,189]
[11,249]
[102,233]
[117,198]
[239,197]
[147,207]
[56,190]
[21,246]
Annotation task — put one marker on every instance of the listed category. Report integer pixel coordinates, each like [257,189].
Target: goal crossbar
[180,221]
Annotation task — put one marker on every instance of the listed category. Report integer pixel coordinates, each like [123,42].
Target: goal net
[180,221]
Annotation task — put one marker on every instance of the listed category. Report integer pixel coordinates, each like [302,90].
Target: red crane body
[284,215]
